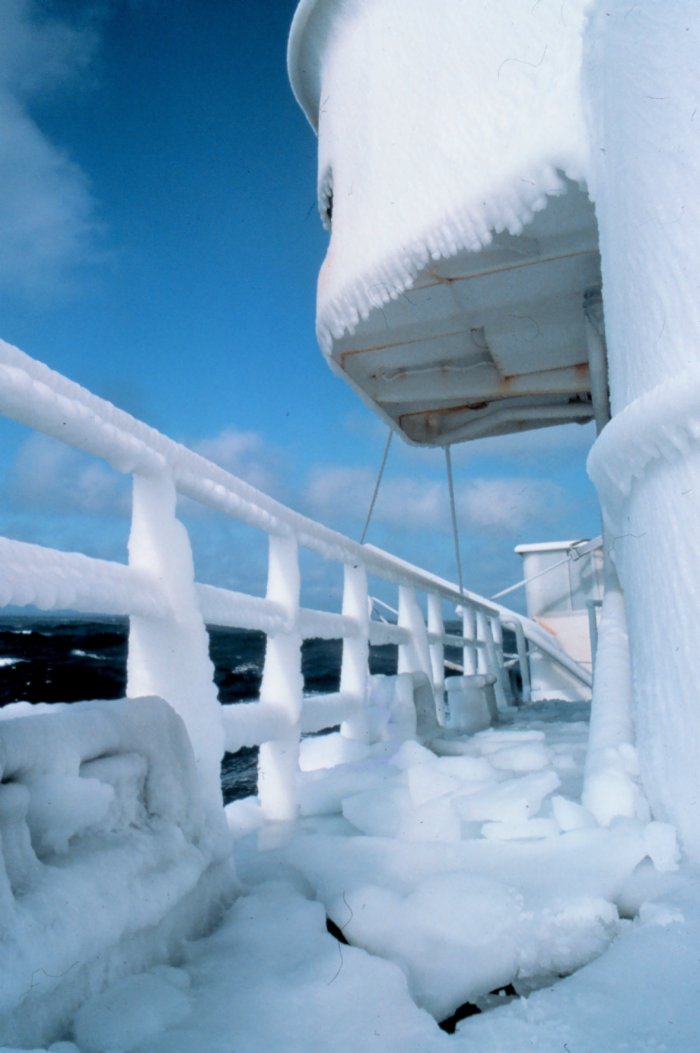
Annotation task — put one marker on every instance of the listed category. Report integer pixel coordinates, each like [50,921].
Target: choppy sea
[50,660]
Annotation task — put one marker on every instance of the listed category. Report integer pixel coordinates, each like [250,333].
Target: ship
[496,846]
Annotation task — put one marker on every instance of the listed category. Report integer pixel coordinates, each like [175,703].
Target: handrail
[35,395]
[168,646]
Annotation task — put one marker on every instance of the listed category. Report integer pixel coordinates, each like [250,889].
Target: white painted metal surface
[485,342]
[562,579]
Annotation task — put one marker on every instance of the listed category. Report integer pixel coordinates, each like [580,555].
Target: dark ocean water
[47,660]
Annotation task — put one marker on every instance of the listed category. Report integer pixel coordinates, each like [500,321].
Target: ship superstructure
[450,848]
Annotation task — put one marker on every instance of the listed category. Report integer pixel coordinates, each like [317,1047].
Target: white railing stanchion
[282,687]
[354,671]
[414,656]
[169,655]
[523,657]
[497,636]
[469,652]
[436,625]
[494,653]
[483,635]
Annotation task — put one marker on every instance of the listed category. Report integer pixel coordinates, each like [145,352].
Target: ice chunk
[325,751]
[513,802]
[411,753]
[467,769]
[453,935]
[426,784]
[531,757]
[492,741]
[523,831]
[391,812]
[566,935]
[379,814]
[323,793]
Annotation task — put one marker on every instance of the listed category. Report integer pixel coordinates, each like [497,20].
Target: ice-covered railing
[168,644]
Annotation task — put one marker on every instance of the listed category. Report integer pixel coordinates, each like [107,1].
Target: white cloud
[49,477]
[245,454]
[342,496]
[507,505]
[47,224]
[538,447]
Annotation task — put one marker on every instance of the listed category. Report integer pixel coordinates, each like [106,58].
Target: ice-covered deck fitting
[451,145]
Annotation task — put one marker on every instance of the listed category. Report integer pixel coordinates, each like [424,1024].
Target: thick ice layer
[432,144]
[641,87]
[431,924]
[469,872]
[110,854]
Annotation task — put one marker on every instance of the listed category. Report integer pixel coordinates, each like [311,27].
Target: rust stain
[438,280]
[544,625]
[349,352]
[433,416]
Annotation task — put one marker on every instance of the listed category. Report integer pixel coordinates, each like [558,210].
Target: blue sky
[161,245]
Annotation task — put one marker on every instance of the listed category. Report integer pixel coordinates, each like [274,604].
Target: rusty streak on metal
[439,280]
[475,407]
[349,352]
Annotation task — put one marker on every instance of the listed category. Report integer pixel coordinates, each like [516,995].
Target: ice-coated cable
[372,503]
[453,514]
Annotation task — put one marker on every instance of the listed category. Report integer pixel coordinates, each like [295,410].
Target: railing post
[523,658]
[469,653]
[169,657]
[436,625]
[483,635]
[497,635]
[282,687]
[354,673]
[414,656]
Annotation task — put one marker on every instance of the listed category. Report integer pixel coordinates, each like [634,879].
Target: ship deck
[471,885]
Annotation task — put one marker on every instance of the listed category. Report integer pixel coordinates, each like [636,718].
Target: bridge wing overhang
[451,158]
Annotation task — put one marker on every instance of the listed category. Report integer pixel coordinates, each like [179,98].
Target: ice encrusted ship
[514,211]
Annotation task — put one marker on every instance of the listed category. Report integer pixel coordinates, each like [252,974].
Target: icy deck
[450,877]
